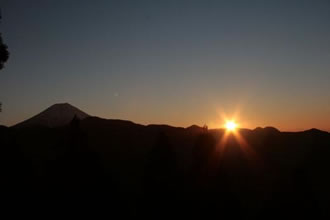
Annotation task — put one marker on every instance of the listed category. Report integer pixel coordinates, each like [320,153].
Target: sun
[231,125]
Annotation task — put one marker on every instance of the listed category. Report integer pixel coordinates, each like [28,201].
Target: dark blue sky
[173,62]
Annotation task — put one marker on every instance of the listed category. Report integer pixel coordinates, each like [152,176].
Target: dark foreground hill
[122,169]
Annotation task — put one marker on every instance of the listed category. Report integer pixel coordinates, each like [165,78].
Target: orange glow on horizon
[232,132]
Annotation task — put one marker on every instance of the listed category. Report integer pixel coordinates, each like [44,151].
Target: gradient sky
[170,62]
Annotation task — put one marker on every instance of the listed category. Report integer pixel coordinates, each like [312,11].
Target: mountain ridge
[56,115]
[61,114]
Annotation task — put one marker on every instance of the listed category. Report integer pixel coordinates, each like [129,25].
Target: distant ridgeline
[55,116]
[66,159]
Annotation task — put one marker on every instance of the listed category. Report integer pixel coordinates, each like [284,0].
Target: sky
[263,63]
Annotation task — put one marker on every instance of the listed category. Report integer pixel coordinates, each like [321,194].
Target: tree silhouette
[4,54]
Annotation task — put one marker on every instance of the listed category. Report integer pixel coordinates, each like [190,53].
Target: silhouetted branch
[4,53]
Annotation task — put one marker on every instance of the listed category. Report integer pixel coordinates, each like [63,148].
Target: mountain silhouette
[144,170]
[55,116]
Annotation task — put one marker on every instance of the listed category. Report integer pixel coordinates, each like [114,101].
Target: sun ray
[231,128]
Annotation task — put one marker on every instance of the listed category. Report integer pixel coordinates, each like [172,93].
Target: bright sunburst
[231,125]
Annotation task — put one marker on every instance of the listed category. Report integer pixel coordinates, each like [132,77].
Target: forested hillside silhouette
[129,170]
